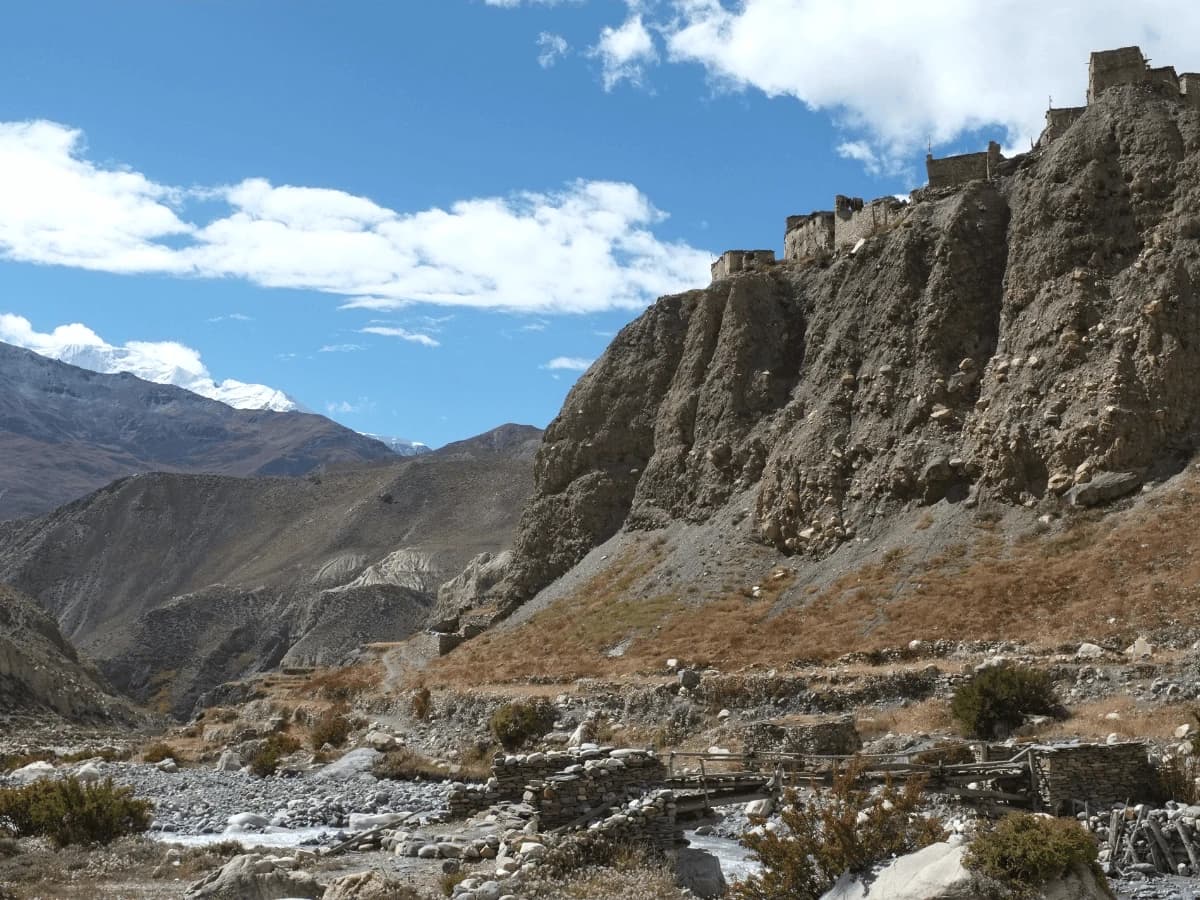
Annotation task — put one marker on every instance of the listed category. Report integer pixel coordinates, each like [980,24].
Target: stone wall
[808,236]
[512,775]
[1189,84]
[650,819]
[1164,75]
[734,261]
[1058,121]
[854,220]
[837,737]
[1102,775]
[955,170]
[580,789]
[1109,68]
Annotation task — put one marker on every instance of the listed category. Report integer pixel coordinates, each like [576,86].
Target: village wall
[954,170]
[854,220]
[734,261]
[1102,775]
[808,236]
[1109,68]
[1189,85]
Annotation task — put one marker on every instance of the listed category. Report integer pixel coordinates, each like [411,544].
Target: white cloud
[624,52]
[568,363]
[340,348]
[402,333]
[344,407]
[162,362]
[552,48]
[232,317]
[585,248]
[901,73]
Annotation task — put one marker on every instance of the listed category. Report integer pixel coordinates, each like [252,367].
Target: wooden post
[1114,834]
[1188,844]
[1163,846]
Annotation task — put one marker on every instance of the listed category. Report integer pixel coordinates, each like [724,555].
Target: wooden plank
[1161,841]
[1185,835]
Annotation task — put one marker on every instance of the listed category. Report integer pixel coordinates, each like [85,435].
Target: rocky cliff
[1030,340]
[40,672]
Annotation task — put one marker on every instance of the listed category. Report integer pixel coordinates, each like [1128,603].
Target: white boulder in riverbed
[35,771]
[242,821]
[254,877]
[355,763]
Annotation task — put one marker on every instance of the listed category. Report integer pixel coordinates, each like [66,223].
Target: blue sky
[422,217]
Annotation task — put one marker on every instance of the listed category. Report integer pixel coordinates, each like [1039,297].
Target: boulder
[371,885]
[689,678]
[366,821]
[35,771]
[1103,488]
[252,877]
[247,820]
[1139,649]
[1089,651]
[379,740]
[89,772]
[700,873]
[353,764]
[229,761]
[934,873]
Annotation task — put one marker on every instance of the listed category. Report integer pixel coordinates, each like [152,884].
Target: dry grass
[930,716]
[1137,720]
[341,685]
[1139,569]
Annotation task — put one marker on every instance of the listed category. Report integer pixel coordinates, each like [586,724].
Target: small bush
[518,721]
[1025,851]
[341,685]
[422,703]
[450,880]
[996,700]
[843,829]
[157,752]
[331,727]
[265,760]
[73,812]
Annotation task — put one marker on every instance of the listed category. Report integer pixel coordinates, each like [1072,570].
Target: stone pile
[585,787]
[836,737]
[1140,839]
[1102,775]
[423,846]
[512,774]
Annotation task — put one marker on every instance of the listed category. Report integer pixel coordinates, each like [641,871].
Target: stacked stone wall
[513,773]
[808,236]
[1189,85]
[853,220]
[651,819]
[955,170]
[1110,68]
[837,737]
[1059,120]
[734,261]
[1101,775]
[581,788]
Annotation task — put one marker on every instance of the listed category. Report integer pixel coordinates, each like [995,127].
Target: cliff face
[1007,340]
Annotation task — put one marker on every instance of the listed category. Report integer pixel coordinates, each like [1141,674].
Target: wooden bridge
[727,779]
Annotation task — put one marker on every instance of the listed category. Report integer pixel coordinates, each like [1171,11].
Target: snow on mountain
[161,362]
[401,446]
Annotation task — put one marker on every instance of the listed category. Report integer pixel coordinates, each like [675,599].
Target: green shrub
[1025,851]
[73,812]
[332,727]
[265,760]
[996,700]
[846,828]
[157,752]
[518,721]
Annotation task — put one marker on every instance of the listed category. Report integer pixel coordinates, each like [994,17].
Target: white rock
[379,740]
[228,762]
[1089,651]
[89,772]
[1183,731]
[366,821]
[934,873]
[760,808]
[531,851]
[1114,738]
[724,714]
[1139,649]
[35,771]
[239,821]
[167,765]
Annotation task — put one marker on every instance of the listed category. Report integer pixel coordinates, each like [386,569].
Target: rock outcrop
[1008,340]
[40,672]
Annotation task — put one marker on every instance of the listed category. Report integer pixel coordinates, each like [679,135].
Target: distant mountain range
[66,431]
[176,583]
